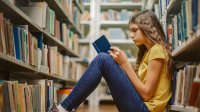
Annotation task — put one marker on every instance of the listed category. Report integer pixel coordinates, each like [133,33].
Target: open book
[101,44]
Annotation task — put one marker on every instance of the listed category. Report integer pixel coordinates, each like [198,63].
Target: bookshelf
[183,33]
[13,69]
[20,18]
[187,48]
[61,14]
[11,65]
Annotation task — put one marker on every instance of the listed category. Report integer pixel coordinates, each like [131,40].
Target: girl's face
[136,34]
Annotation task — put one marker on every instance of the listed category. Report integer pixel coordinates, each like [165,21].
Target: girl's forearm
[137,83]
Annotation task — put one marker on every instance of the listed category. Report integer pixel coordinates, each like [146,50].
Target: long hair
[150,26]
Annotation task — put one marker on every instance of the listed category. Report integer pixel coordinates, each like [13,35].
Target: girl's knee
[104,55]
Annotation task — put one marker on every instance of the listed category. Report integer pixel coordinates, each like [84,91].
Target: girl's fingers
[114,48]
[113,55]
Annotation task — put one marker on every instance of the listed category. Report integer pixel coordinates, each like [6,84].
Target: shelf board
[56,78]
[84,41]
[9,63]
[17,17]
[191,46]
[124,44]
[121,41]
[78,5]
[122,5]
[85,22]
[12,65]
[182,108]
[123,24]
[173,7]
[86,6]
[81,60]
[148,4]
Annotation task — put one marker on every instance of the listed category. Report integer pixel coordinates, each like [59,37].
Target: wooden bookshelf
[188,49]
[173,7]
[53,4]
[9,63]
[17,17]
[20,68]
[186,53]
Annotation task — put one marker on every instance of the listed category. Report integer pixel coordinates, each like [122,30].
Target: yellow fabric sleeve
[157,52]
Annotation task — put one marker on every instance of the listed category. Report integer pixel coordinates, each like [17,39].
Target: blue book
[195,14]
[101,44]
[17,42]
[39,37]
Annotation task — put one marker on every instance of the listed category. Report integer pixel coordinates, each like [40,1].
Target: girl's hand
[118,55]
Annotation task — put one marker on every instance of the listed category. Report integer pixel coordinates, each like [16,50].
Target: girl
[148,89]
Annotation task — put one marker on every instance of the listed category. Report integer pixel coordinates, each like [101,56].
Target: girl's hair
[150,26]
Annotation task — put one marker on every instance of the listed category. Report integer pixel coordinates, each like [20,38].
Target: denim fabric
[123,92]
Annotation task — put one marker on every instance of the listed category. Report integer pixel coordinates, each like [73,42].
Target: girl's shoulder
[157,51]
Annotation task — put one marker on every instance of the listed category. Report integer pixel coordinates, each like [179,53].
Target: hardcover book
[102,44]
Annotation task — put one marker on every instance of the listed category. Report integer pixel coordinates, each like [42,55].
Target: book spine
[96,47]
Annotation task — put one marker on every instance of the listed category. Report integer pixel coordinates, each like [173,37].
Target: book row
[27,96]
[186,86]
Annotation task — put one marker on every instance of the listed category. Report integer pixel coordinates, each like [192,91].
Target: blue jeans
[123,92]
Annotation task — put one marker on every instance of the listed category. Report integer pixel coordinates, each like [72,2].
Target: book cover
[101,44]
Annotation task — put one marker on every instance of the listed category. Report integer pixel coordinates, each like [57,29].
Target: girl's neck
[148,45]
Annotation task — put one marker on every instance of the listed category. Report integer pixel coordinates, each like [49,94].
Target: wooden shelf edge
[189,43]
[14,61]
[29,68]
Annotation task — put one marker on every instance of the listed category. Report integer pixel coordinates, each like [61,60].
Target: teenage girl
[144,90]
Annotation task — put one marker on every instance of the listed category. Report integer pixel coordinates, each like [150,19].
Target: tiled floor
[101,108]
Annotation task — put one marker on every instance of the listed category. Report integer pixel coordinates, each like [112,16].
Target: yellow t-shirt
[162,94]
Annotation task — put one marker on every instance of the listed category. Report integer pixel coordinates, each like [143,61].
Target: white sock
[61,109]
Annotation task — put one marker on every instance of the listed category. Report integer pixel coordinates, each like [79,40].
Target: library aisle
[46,46]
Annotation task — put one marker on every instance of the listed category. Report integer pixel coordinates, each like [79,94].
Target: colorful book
[101,44]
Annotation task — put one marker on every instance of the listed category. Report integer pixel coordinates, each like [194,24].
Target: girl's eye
[134,30]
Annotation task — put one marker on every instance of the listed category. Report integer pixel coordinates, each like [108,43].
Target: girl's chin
[136,43]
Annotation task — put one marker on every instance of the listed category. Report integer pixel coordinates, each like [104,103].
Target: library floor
[100,108]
